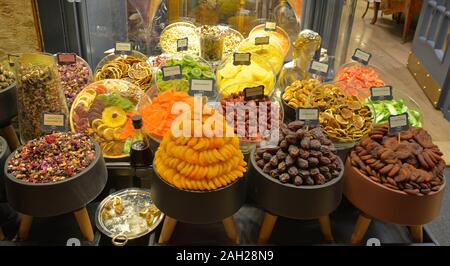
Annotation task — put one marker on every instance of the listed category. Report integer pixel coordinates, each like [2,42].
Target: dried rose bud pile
[302,157]
[74,78]
[52,158]
[413,165]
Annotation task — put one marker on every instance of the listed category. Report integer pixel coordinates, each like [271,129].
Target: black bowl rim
[4,146]
[98,153]
[8,88]
[328,184]
[198,191]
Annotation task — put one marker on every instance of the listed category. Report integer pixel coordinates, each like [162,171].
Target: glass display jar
[212,40]
[39,92]
[271,51]
[231,76]
[176,31]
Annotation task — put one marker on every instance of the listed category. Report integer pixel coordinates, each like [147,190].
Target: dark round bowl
[389,205]
[198,207]
[52,199]
[290,114]
[8,105]
[288,200]
[4,153]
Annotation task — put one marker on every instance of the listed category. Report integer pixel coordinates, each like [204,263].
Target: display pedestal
[363,222]
[270,220]
[170,223]
[81,216]
[375,201]
[11,137]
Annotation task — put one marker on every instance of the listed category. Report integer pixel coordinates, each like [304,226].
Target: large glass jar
[39,93]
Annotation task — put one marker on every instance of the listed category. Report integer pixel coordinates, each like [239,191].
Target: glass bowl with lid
[271,51]
[280,34]
[179,30]
[230,78]
[191,67]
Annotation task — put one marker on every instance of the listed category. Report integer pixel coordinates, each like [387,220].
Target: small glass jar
[211,43]
[39,92]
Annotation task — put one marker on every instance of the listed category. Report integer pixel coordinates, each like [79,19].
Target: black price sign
[381,93]
[398,123]
[66,58]
[172,72]
[262,40]
[254,93]
[318,68]
[123,48]
[11,59]
[182,44]
[53,122]
[201,86]
[270,26]
[309,115]
[242,59]
[362,56]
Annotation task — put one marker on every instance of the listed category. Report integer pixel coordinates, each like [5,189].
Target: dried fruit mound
[158,116]
[358,79]
[413,165]
[52,158]
[200,163]
[302,157]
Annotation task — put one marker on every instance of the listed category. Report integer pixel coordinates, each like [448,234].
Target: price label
[66,58]
[241,59]
[318,68]
[11,59]
[53,122]
[270,26]
[381,93]
[254,93]
[309,115]
[172,72]
[202,86]
[361,56]
[262,40]
[123,48]
[182,44]
[398,123]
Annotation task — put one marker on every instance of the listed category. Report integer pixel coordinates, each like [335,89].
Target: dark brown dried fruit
[267,168]
[294,151]
[274,161]
[298,181]
[304,173]
[274,173]
[315,171]
[313,162]
[324,161]
[309,181]
[324,169]
[303,154]
[260,163]
[305,143]
[267,156]
[291,138]
[289,161]
[302,163]
[284,178]
[314,153]
[320,179]
[293,171]
[284,144]
[295,125]
[281,155]
[282,167]
[315,144]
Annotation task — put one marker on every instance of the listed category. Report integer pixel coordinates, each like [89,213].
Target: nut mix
[244,108]
[6,77]
[232,40]
[38,92]
[73,79]
[302,157]
[52,158]
[173,32]
[413,164]
[344,118]
[297,94]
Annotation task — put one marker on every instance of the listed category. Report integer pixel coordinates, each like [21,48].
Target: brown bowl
[389,205]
